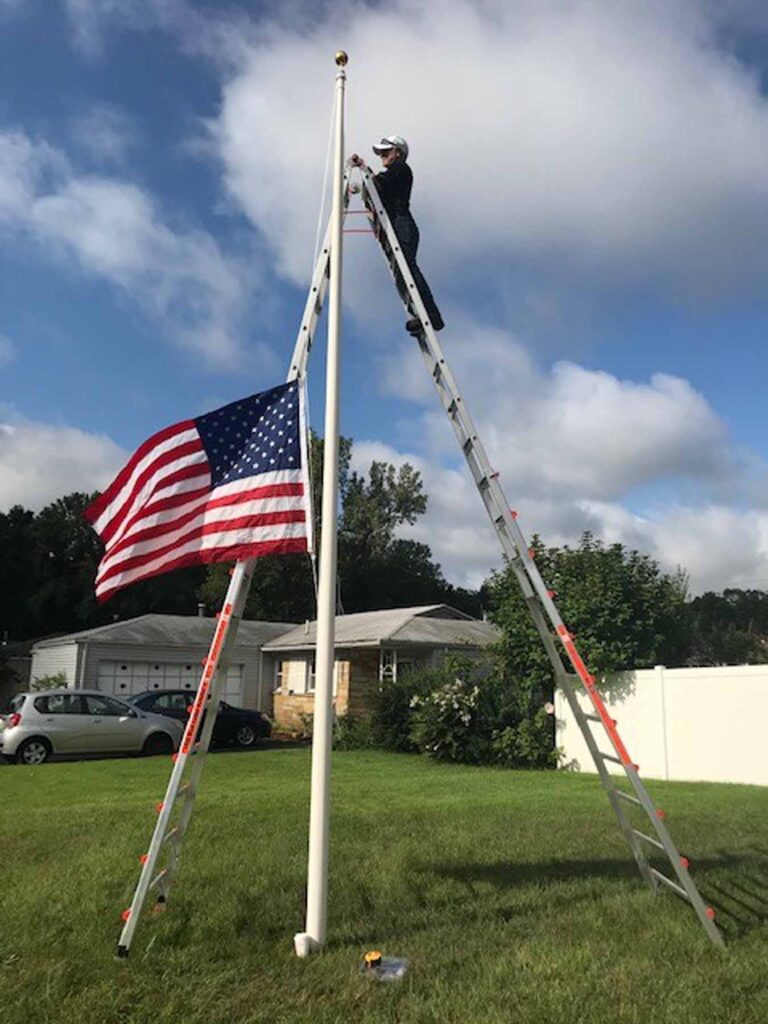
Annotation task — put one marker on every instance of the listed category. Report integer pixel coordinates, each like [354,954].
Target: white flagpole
[317,869]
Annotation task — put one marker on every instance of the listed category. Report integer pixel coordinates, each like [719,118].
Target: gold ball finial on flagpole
[341,58]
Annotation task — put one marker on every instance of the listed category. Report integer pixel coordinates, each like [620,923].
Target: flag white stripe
[148,490]
[193,483]
[283,476]
[248,483]
[165,446]
[220,514]
[224,539]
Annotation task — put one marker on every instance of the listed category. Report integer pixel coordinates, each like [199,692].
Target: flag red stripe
[94,510]
[244,522]
[176,499]
[284,546]
[166,459]
[271,491]
[195,508]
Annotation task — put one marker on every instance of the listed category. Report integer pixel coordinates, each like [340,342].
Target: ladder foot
[122,952]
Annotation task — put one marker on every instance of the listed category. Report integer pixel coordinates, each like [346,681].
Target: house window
[311,673]
[387,665]
[404,668]
[278,681]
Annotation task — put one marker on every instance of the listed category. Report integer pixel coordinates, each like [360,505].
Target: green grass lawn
[511,893]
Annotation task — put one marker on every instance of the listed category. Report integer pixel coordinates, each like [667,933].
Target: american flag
[225,486]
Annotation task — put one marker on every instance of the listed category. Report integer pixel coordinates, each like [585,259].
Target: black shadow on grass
[506,874]
[434,914]
[741,898]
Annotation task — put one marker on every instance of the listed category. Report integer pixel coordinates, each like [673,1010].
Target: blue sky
[592,194]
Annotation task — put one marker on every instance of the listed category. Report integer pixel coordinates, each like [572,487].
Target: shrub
[447,725]
[351,733]
[467,711]
[53,682]
[525,745]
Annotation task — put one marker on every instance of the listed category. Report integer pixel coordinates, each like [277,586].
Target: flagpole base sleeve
[304,945]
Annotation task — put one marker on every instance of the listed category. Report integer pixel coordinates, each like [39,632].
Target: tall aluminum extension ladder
[160,862]
[597,727]
[174,812]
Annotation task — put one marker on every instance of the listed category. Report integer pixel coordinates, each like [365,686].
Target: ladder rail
[510,535]
[313,307]
[210,681]
[168,835]
[534,589]
[202,745]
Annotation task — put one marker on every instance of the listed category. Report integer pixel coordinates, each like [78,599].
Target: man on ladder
[394,185]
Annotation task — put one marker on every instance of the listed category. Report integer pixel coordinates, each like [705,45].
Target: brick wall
[289,707]
[363,682]
[357,677]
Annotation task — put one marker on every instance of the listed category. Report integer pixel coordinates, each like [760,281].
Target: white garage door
[125,678]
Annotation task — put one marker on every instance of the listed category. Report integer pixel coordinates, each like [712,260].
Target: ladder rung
[610,757]
[628,797]
[158,878]
[171,835]
[593,718]
[648,839]
[672,885]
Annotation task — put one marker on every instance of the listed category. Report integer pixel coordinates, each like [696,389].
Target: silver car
[63,721]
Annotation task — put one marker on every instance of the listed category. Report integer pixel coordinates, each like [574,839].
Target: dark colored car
[239,726]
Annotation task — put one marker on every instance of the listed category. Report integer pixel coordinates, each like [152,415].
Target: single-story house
[371,648]
[161,652]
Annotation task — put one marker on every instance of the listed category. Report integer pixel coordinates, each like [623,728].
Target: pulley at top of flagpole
[341,58]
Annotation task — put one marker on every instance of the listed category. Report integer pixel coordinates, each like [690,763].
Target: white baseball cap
[391,142]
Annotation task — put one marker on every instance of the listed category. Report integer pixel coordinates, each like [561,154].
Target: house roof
[435,625]
[169,631]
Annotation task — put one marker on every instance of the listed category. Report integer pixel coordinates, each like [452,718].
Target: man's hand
[356,161]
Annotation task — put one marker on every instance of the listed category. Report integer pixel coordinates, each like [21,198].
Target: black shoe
[414,327]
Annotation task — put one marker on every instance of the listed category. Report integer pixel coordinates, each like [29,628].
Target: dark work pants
[408,235]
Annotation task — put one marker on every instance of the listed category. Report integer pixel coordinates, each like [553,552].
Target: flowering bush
[465,711]
[447,723]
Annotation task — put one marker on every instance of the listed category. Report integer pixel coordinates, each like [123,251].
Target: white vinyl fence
[706,724]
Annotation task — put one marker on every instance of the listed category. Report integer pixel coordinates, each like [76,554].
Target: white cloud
[608,140]
[105,133]
[571,432]
[573,446]
[216,35]
[717,545]
[112,229]
[41,461]
[89,18]
[7,350]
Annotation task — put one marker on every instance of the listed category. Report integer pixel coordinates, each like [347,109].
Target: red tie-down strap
[202,693]
[597,701]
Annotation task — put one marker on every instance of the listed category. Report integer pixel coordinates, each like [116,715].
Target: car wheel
[33,751]
[245,736]
[157,743]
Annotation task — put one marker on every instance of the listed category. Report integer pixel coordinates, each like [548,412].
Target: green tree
[19,558]
[61,594]
[623,611]
[728,629]
[376,569]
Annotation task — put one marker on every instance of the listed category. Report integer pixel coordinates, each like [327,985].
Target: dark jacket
[394,185]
